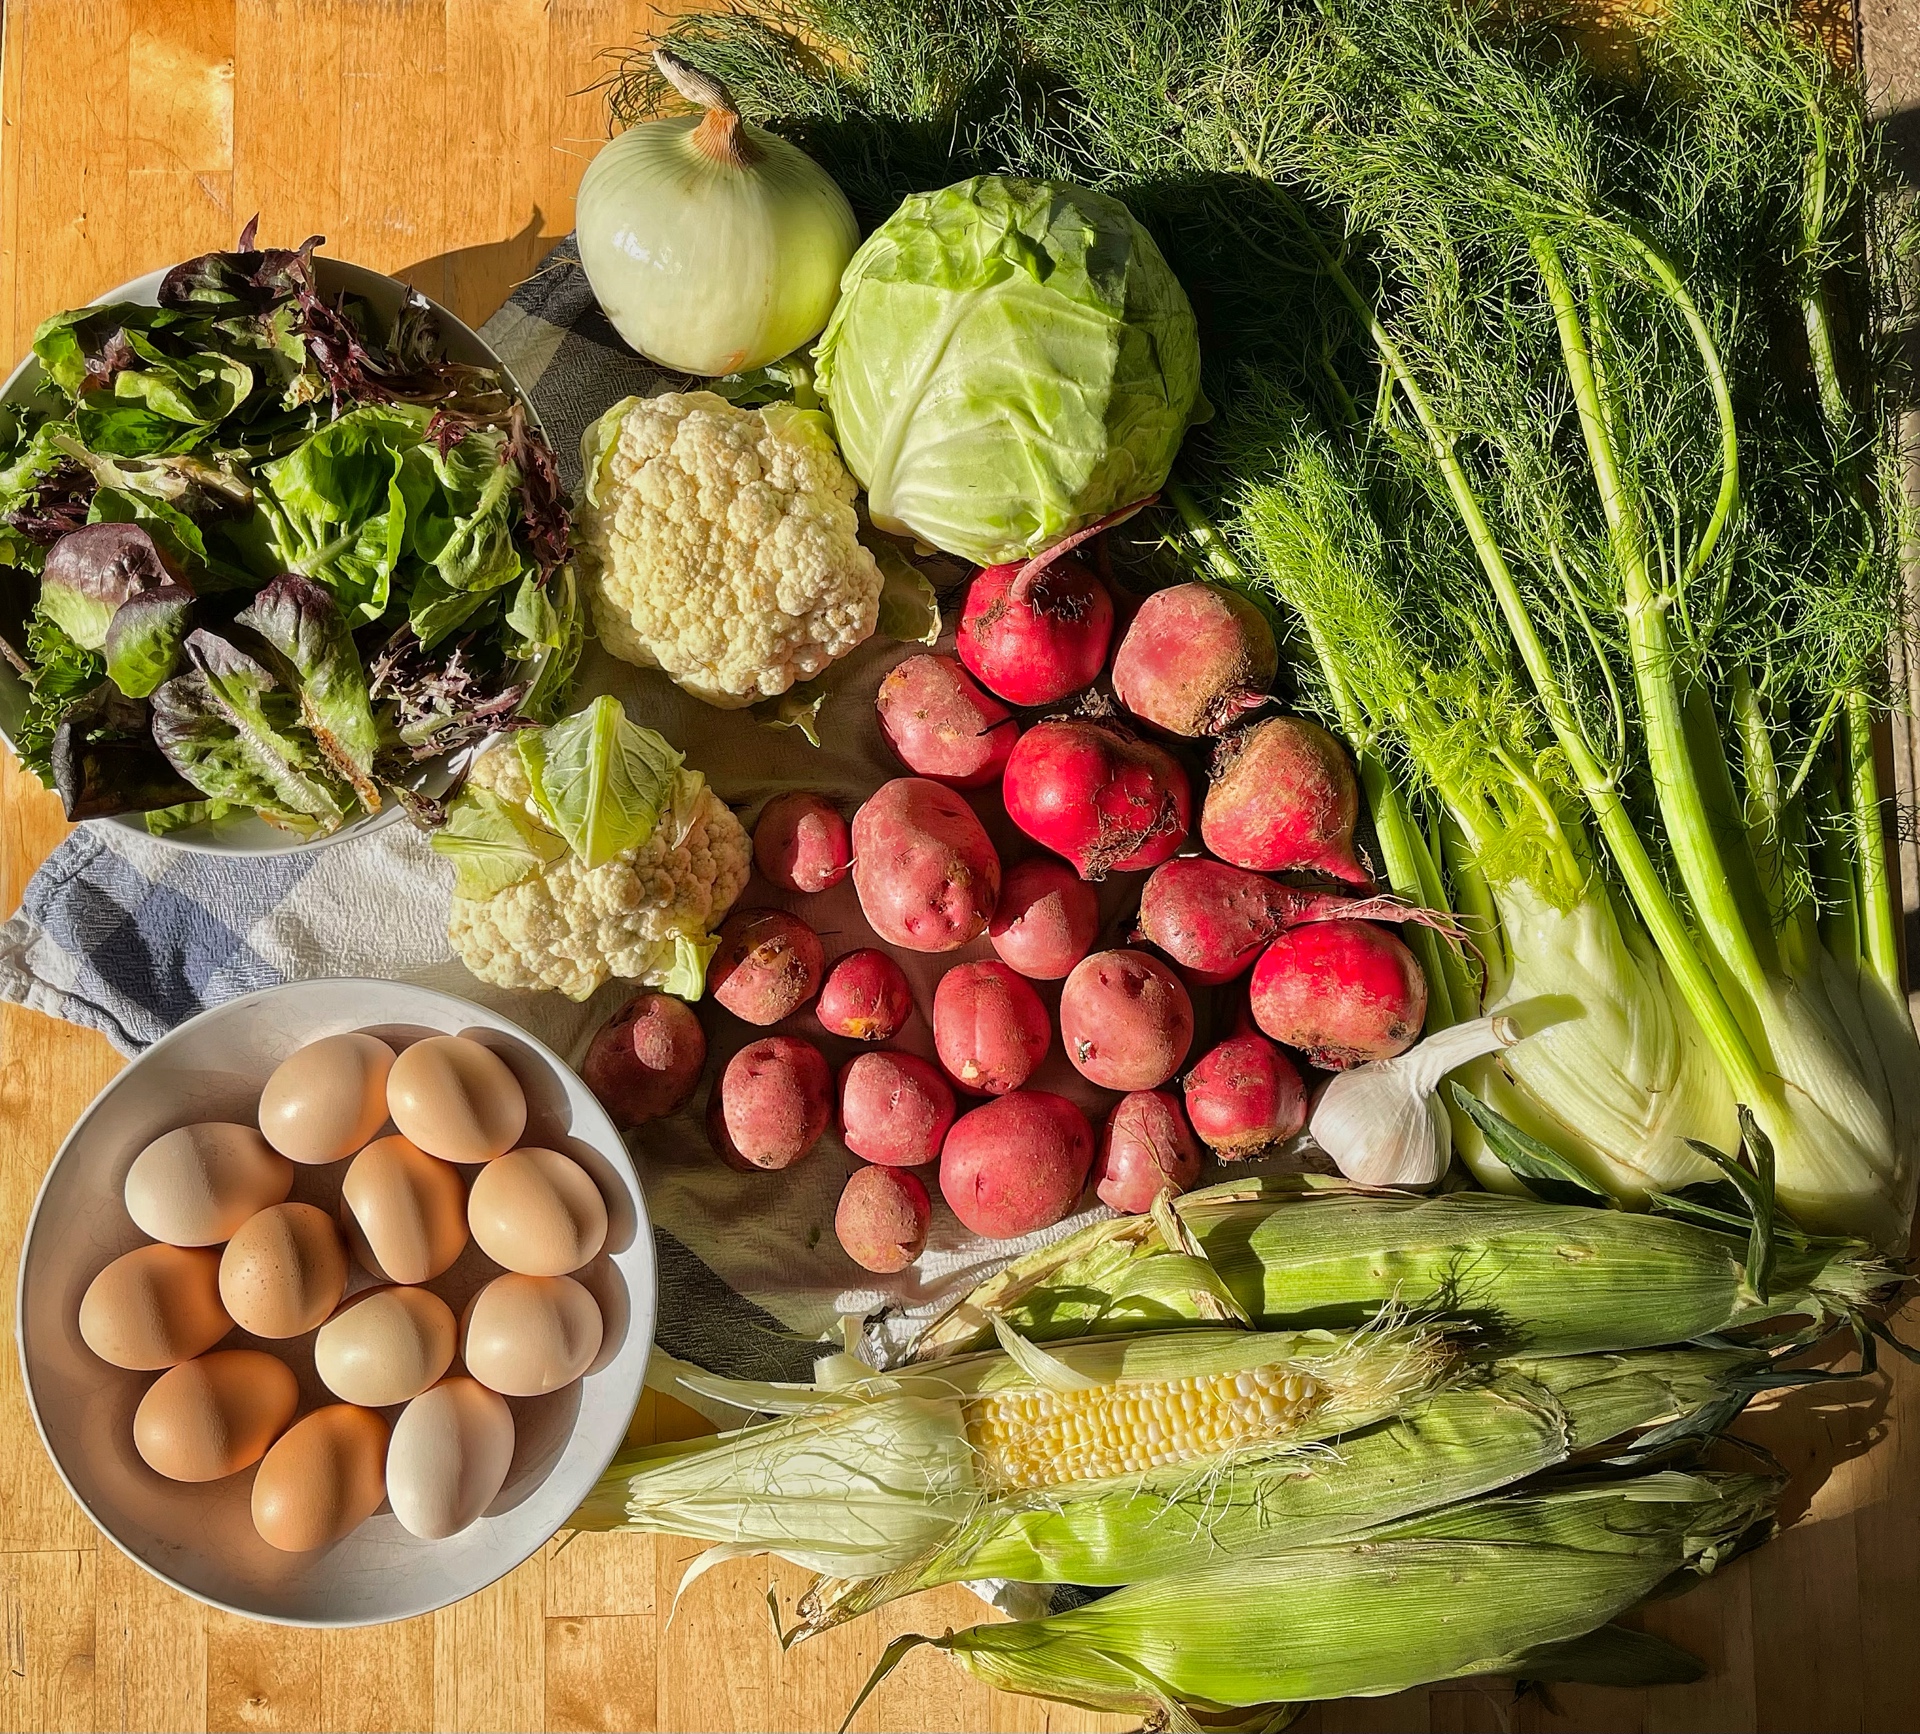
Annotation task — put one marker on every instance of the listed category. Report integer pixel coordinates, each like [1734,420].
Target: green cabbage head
[1010,360]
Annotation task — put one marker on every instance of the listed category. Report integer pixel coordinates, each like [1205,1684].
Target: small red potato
[882,1218]
[646,1059]
[767,966]
[866,996]
[1125,1020]
[989,1027]
[775,1097]
[1146,1146]
[1017,1164]
[802,843]
[940,724]
[1245,1097]
[927,875]
[1046,920]
[894,1108]
[1343,993]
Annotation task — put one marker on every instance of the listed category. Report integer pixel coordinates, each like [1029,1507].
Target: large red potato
[775,1099]
[1017,1164]
[801,842]
[1146,1146]
[767,965]
[1125,1020]
[927,875]
[646,1059]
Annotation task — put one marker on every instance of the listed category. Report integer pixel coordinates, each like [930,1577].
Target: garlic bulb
[713,246]
[1383,1124]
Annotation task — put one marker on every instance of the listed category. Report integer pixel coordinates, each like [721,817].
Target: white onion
[712,245]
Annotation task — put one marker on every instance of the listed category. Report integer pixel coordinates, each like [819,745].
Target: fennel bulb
[713,246]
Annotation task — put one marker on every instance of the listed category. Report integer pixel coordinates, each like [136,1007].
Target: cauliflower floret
[723,545]
[572,927]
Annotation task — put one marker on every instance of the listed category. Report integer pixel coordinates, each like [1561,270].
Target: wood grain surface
[442,140]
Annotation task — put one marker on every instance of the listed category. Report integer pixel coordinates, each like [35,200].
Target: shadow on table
[474,281]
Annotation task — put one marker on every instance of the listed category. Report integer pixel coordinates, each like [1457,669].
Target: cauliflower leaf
[600,780]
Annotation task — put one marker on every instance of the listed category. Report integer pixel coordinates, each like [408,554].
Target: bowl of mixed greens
[281,543]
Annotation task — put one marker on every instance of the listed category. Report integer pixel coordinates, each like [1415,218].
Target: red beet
[882,1219]
[767,965]
[1093,792]
[989,1027]
[866,997]
[1046,919]
[1342,992]
[646,1059]
[1195,659]
[940,724]
[1145,1147]
[894,1108]
[1125,1020]
[801,842]
[927,875]
[1245,1096]
[1035,632]
[771,1104]
[1016,1164]
[1214,920]
[1283,800]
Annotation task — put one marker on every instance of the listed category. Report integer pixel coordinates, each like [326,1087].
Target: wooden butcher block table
[442,140]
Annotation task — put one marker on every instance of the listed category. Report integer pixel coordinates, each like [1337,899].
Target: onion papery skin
[706,266]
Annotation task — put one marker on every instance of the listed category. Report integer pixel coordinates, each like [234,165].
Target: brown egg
[524,1336]
[456,1099]
[404,1211]
[196,1185]
[155,1307]
[283,1271]
[324,1477]
[324,1101]
[215,1414]
[385,1346]
[450,1454]
[537,1212]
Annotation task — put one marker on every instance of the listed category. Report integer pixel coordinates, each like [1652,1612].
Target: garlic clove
[1384,1125]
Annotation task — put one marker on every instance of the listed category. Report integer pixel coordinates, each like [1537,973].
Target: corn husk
[1468,1590]
[1525,1418]
[1533,1278]
[872,1475]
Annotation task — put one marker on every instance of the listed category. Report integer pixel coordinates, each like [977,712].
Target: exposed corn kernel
[1030,1439]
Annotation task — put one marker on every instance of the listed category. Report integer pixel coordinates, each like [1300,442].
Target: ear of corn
[872,1477]
[1470,1590]
[1534,1278]
[1454,1446]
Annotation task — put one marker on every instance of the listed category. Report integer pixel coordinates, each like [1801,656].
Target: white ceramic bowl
[243,834]
[201,1538]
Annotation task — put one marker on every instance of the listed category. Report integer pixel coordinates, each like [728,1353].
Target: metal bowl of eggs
[336,1302]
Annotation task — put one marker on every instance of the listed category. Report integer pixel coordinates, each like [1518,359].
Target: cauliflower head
[722,544]
[571,927]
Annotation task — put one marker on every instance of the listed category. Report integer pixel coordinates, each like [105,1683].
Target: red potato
[1093,792]
[989,1027]
[1016,1164]
[927,876]
[894,1108]
[801,843]
[866,996]
[1125,1020]
[1146,1146]
[767,965]
[1035,632]
[1342,993]
[646,1059]
[1195,659]
[1215,920]
[941,725]
[882,1219]
[1282,800]
[1245,1096]
[1046,919]
[774,1101]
